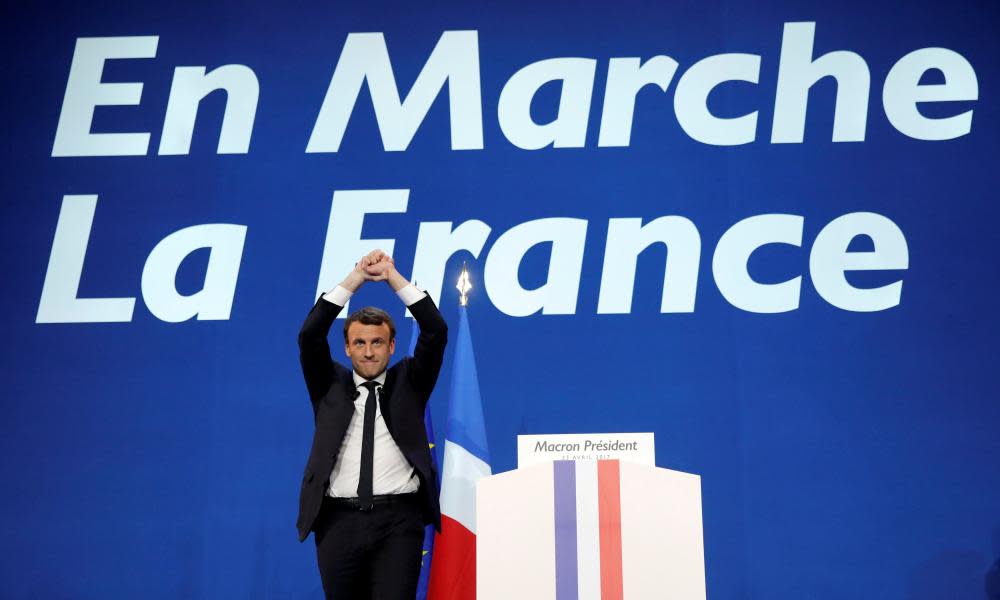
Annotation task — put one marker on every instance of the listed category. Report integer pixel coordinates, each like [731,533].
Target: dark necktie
[367,449]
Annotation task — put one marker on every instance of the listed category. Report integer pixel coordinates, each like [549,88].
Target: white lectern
[590,530]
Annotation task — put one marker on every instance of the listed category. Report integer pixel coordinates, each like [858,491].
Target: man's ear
[347,348]
[392,346]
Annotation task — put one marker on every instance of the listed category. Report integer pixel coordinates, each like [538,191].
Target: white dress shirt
[392,473]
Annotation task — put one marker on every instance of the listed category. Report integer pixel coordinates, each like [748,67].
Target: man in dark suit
[369,487]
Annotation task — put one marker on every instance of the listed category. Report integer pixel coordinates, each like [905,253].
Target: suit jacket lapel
[385,399]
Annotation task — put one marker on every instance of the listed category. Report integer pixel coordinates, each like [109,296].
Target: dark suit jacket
[408,385]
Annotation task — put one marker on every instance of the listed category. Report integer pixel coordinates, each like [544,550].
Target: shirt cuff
[410,295]
[338,295]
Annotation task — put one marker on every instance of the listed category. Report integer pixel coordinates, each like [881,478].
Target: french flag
[466,461]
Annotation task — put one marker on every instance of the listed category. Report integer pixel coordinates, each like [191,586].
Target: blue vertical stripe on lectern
[564,482]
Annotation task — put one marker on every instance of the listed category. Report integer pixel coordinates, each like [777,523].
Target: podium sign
[590,530]
[633,447]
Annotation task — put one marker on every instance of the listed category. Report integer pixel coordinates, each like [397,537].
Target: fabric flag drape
[466,460]
[428,549]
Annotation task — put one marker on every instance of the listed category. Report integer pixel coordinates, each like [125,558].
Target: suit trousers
[370,555]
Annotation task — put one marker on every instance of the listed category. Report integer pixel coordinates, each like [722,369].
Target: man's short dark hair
[370,315]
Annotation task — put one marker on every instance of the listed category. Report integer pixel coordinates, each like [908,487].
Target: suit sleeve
[429,351]
[314,349]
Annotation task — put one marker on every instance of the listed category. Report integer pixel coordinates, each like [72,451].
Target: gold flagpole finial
[464,285]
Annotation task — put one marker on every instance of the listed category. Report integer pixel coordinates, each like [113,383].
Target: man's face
[369,347]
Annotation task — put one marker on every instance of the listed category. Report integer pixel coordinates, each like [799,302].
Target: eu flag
[428,549]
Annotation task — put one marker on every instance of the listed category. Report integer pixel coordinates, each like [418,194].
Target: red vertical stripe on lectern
[609,510]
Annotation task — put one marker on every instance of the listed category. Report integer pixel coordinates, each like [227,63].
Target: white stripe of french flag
[458,485]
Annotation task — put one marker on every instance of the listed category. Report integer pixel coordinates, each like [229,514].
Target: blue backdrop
[843,454]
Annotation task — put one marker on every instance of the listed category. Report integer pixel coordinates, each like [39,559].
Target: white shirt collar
[358,379]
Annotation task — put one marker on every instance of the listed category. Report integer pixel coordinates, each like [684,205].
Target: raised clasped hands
[374,266]
[379,270]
